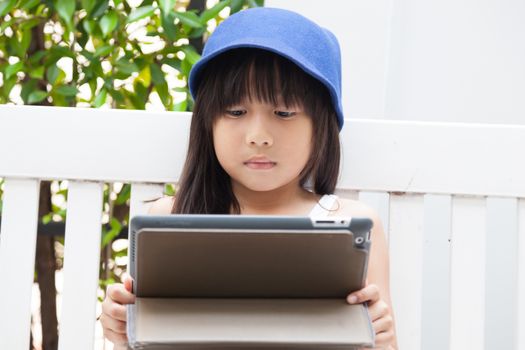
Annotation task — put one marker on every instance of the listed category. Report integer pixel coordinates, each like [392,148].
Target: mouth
[260,163]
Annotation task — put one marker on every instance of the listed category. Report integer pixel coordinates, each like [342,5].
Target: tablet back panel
[215,256]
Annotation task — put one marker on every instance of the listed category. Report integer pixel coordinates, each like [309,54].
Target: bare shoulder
[162,206]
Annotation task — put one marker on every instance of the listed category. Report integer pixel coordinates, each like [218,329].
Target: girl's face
[261,146]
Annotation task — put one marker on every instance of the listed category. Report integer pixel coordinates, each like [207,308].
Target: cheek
[222,142]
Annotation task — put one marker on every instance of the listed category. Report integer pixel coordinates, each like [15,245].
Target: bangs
[248,74]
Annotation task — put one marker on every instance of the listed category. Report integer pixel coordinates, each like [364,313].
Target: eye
[235,112]
[284,114]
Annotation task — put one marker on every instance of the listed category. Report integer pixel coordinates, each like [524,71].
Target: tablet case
[248,282]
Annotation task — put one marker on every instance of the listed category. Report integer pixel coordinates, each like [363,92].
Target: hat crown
[291,35]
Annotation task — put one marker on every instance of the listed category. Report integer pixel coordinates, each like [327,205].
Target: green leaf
[254,3]
[8,85]
[28,4]
[46,219]
[101,98]
[6,6]
[99,8]
[117,96]
[185,67]
[165,97]
[6,24]
[87,5]
[27,88]
[36,57]
[169,190]
[139,13]
[24,43]
[144,76]
[142,94]
[213,12]
[40,9]
[30,23]
[65,9]
[236,6]
[196,32]
[110,235]
[126,67]
[89,25]
[168,24]
[36,97]
[181,106]
[108,23]
[103,51]
[37,73]
[191,55]
[157,74]
[12,69]
[166,6]
[123,195]
[57,52]
[172,62]
[54,74]
[189,18]
[66,90]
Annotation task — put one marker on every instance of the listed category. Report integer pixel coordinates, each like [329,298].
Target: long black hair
[256,75]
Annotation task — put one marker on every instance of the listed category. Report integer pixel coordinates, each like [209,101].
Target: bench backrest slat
[81,265]
[17,261]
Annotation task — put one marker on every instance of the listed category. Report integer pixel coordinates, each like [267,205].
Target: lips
[260,162]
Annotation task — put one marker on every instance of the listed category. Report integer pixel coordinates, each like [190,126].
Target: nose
[258,133]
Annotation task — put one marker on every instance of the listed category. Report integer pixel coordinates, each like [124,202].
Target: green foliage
[94,53]
[91,53]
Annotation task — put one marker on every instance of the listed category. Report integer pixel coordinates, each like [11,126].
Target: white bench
[451,197]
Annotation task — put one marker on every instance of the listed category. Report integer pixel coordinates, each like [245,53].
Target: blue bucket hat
[313,48]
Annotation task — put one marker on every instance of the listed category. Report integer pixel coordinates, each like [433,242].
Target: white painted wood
[467,283]
[456,61]
[406,242]
[379,201]
[501,273]
[155,143]
[17,261]
[413,157]
[391,156]
[521,276]
[81,265]
[142,196]
[435,312]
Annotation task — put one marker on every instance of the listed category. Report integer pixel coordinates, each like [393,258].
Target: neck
[290,199]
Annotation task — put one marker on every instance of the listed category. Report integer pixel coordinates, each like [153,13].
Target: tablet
[240,256]
[217,282]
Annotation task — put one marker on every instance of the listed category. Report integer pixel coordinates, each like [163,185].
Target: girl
[264,140]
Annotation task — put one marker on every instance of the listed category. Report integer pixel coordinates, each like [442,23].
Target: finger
[114,310]
[385,339]
[115,338]
[123,276]
[128,284]
[119,294]
[368,293]
[112,324]
[378,310]
[383,324]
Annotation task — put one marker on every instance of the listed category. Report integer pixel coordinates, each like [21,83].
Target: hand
[380,314]
[113,316]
